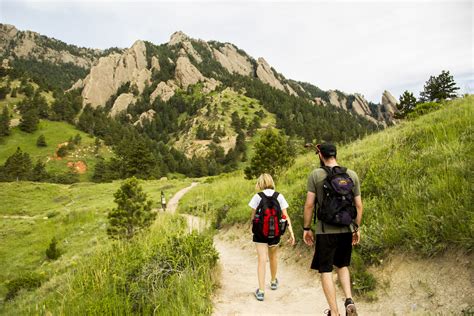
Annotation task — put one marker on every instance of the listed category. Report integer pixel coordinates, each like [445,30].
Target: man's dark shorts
[270,241]
[332,249]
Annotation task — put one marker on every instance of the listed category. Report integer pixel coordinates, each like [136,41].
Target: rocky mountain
[189,57]
[138,85]
[51,62]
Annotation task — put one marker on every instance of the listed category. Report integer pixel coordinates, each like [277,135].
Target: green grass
[76,216]
[165,271]
[416,188]
[55,133]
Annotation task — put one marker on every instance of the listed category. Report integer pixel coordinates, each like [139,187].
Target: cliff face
[31,45]
[113,71]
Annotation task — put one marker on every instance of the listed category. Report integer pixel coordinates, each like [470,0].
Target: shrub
[41,141]
[28,281]
[53,251]
[423,108]
[62,151]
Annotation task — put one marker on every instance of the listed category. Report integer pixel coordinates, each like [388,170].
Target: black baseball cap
[327,149]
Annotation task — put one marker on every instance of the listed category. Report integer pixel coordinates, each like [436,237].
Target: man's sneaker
[274,284]
[351,309]
[259,295]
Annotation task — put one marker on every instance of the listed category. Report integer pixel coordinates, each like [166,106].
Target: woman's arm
[290,227]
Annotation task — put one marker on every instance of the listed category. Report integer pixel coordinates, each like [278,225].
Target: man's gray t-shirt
[315,185]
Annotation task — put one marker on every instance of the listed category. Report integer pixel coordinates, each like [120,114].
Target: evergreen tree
[53,252]
[40,103]
[272,155]
[17,166]
[41,141]
[133,212]
[4,122]
[39,173]
[77,139]
[439,88]
[62,151]
[29,121]
[407,103]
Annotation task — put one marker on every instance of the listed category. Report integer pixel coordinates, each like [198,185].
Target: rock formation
[389,103]
[186,73]
[164,90]
[113,71]
[177,37]
[145,116]
[31,45]
[122,103]
[320,102]
[266,74]
[155,63]
[232,61]
[336,101]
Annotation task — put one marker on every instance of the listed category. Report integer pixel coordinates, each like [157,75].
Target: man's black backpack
[337,207]
[268,217]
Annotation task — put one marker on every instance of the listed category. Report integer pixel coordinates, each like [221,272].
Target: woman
[267,246]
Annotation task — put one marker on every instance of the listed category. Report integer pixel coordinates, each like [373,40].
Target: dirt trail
[418,288]
[194,222]
[299,293]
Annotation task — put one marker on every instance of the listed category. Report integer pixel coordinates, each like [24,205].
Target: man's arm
[358,219]
[309,208]
[307,216]
[360,208]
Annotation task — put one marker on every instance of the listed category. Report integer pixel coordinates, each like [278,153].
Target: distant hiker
[336,192]
[269,221]
[163,201]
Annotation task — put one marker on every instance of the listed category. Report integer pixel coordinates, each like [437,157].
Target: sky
[355,46]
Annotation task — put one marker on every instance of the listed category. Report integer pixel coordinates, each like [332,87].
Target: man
[333,242]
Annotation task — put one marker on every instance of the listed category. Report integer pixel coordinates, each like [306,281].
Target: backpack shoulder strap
[262,195]
[340,169]
[327,169]
[275,195]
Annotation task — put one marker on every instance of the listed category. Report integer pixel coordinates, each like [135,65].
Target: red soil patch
[78,166]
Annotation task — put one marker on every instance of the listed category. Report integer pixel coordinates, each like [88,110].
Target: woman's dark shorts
[332,249]
[270,241]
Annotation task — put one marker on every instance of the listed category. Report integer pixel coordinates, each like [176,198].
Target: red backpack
[268,221]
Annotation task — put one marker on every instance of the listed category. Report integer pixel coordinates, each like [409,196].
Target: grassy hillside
[217,114]
[55,133]
[416,187]
[75,214]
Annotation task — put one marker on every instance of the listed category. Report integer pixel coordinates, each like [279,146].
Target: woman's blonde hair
[265,181]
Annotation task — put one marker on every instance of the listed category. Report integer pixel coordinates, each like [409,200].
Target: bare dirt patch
[78,166]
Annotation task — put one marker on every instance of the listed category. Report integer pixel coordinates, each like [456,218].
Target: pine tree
[53,252]
[439,88]
[272,155]
[39,173]
[133,212]
[407,103]
[29,121]
[4,122]
[62,151]
[17,166]
[41,141]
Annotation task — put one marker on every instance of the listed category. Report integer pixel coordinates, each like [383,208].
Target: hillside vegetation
[415,187]
[55,133]
[76,215]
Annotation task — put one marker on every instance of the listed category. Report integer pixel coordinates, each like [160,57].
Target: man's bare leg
[329,291]
[345,279]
